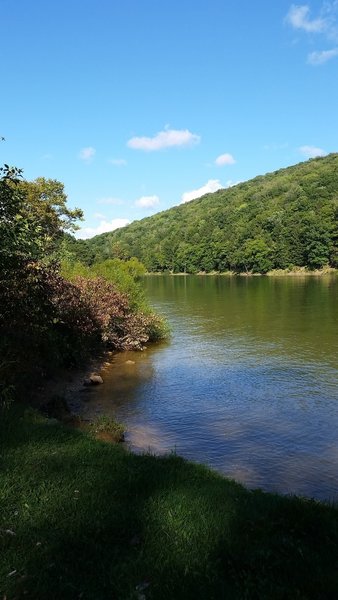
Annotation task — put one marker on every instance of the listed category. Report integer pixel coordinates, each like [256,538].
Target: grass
[107,429]
[84,519]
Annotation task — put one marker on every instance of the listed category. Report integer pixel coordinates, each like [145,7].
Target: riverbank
[294,272]
[302,271]
[85,519]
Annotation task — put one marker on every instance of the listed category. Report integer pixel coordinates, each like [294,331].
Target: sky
[140,105]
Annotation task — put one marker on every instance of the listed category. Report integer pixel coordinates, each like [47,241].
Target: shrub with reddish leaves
[118,326]
[47,321]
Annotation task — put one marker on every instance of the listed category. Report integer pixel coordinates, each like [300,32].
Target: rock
[130,362]
[96,379]
[93,380]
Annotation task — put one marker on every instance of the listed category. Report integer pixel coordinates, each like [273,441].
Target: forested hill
[276,221]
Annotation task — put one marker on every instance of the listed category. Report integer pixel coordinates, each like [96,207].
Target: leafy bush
[124,274]
[118,325]
[47,321]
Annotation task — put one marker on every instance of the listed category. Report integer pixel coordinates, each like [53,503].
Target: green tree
[118,251]
[257,256]
[19,234]
[46,203]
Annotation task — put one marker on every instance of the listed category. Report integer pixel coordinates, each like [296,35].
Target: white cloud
[164,139]
[321,57]
[326,24]
[87,154]
[111,201]
[147,201]
[118,162]
[211,186]
[99,216]
[298,18]
[225,159]
[88,232]
[311,151]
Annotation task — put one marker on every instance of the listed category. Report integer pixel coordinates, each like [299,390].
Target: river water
[247,384]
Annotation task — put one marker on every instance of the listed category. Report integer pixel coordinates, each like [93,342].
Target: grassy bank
[85,519]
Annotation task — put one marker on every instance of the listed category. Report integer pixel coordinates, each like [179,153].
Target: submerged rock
[93,380]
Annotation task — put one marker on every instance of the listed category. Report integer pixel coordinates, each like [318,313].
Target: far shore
[295,272]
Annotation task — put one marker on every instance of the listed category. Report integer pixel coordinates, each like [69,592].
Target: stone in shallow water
[93,380]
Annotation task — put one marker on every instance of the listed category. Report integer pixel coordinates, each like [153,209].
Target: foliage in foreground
[46,320]
[84,519]
[124,274]
[277,221]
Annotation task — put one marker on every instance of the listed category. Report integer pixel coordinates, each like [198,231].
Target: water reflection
[248,383]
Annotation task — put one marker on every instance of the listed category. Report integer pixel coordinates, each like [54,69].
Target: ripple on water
[248,383]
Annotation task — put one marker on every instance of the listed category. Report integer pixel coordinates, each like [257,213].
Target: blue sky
[138,105]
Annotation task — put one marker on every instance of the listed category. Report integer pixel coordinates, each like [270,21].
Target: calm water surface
[248,383]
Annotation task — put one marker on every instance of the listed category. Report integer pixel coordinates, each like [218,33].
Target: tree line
[282,220]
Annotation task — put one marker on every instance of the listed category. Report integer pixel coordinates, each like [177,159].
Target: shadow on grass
[93,521]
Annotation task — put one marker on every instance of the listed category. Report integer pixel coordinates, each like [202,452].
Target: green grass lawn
[80,518]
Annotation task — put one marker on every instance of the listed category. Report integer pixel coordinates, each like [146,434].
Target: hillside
[275,221]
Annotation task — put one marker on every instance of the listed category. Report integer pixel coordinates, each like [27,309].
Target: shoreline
[296,272]
[65,383]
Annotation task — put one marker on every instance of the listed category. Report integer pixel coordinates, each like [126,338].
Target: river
[247,384]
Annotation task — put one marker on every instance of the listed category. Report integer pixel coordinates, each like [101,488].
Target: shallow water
[248,383]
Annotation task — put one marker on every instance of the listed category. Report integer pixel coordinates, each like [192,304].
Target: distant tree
[118,251]
[257,255]
[72,250]
[317,242]
[334,249]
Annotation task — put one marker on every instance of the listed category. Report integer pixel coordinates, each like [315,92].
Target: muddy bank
[56,396]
